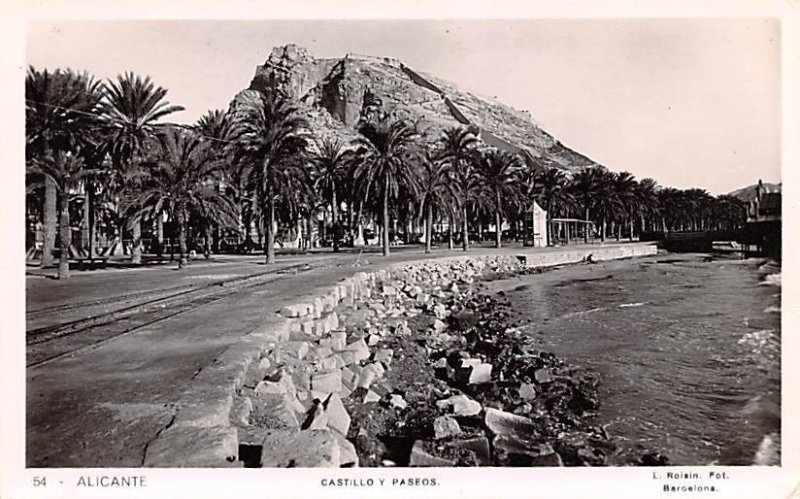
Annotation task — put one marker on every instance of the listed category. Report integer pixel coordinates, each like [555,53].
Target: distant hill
[335,93]
[749,193]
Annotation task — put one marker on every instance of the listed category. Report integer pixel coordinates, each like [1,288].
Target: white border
[16,481]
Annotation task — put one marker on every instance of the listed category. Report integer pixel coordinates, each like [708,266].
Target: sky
[688,102]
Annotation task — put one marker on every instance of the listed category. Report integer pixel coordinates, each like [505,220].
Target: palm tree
[384,152]
[181,180]
[437,190]
[585,187]
[607,203]
[61,109]
[457,145]
[551,190]
[215,126]
[331,161]
[647,202]
[272,135]
[624,187]
[500,171]
[134,105]
[66,171]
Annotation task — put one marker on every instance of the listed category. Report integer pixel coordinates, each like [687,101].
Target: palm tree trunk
[386,216]
[498,219]
[586,228]
[269,249]
[181,238]
[449,231]
[428,226]
[90,191]
[603,231]
[63,240]
[209,236]
[159,235]
[335,220]
[86,221]
[49,222]
[136,243]
[630,226]
[465,229]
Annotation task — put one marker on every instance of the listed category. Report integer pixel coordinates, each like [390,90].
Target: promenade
[101,404]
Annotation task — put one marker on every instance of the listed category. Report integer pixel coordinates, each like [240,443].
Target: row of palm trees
[259,164]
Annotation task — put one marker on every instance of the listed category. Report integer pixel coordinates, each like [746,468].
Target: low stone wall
[297,368]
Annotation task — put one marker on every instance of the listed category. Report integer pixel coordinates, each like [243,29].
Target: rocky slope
[748,193]
[336,93]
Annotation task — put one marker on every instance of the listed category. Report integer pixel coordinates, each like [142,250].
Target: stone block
[439,326]
[478,445]
[204,406]
[348,457]
[327,381]
[445,427]
[397,401]
[504,423]
[275,411]
[365,378]
[384,355]
[464,406]
[543,376]
[527,391]
[294,311]
[295,349]
[240,412]
[339,340]
[338,418]
[301,449]
[371,397]
[359,349]
[193,447]
[281,383]
[420,457]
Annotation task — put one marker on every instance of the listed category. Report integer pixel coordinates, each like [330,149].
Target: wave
[769,451]
[771,280]
[629,305]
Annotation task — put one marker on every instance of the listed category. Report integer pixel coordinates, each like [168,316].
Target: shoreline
[282,389]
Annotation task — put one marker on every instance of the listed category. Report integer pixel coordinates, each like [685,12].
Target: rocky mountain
[749,193]
[336,93]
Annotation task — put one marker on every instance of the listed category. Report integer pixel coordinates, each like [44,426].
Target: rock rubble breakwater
[405,365]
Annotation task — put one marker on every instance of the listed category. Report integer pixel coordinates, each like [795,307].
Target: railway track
[92,331]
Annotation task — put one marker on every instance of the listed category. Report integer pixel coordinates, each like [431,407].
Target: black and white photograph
[399,248]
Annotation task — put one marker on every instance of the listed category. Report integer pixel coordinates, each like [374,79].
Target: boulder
[359,348]
[445,427]
[397,401]
[543,376]
[439,326]
[348,457]
[478,445]
[420,457]
[384,355]
[371,397]
[338,418]
[464,406]
[504,423]
[527,391]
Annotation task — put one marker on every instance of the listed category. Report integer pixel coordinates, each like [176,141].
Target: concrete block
[301,449]
[192,447]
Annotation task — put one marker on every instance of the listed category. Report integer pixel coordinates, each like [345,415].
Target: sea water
[687,348]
